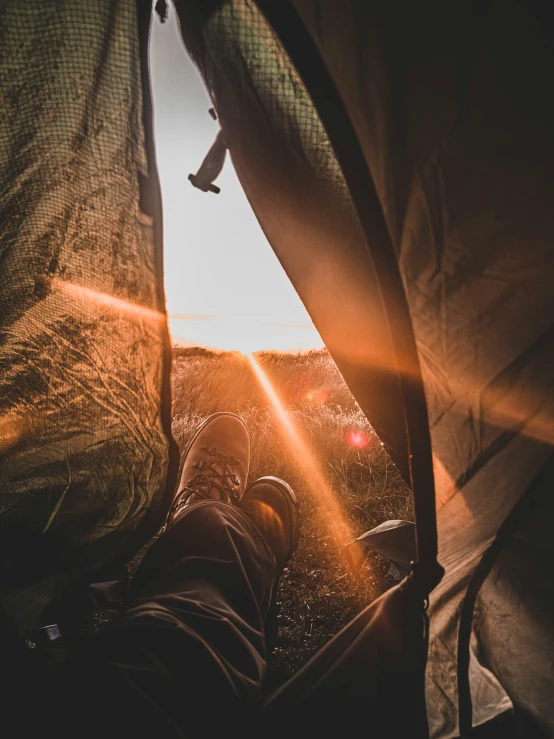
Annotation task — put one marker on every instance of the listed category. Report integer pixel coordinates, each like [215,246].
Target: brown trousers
[186,657]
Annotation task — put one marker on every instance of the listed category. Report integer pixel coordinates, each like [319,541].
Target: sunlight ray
[13,430]
[313,474]
[131,311]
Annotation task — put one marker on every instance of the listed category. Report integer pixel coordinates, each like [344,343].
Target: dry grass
[318,592]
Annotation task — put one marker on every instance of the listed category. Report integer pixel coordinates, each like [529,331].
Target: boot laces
[216,474]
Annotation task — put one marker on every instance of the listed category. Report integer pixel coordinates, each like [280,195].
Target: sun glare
[306,461]
[358,439]
[245,334]
[13,430]
[103,301]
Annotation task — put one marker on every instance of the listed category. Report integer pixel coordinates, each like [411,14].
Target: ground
[319,593]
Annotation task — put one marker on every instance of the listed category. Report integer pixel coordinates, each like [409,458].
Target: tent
[399,161]
[85,358]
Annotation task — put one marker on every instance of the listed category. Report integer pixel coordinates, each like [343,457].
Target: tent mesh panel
[239,36]
[82,450]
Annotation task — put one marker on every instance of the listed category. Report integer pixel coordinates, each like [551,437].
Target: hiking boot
[272,506]
[216,464]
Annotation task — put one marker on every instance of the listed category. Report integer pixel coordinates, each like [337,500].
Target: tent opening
[224,286]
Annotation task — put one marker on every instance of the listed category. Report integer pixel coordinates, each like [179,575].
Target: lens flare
[305,459]
[357,439]
[13,430]
[318,396]
[125,308]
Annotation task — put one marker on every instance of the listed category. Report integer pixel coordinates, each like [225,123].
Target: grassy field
[318,594]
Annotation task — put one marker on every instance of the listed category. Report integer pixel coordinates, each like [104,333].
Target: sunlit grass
[318,593]
[314,472]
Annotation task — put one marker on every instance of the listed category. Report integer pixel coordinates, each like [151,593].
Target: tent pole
[151,203]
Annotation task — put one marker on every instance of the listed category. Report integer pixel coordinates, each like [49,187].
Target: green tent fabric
[452,111]
[84,453]
[399,160]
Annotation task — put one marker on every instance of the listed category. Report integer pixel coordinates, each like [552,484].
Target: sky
[224,286]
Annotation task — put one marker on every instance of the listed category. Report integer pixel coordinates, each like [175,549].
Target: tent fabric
[455,115]
[298,191]
[454,112]
[82,321]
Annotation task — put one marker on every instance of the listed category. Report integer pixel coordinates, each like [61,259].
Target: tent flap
[453,113]
[82,325]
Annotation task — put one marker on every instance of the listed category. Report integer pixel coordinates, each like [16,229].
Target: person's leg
[186,656]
